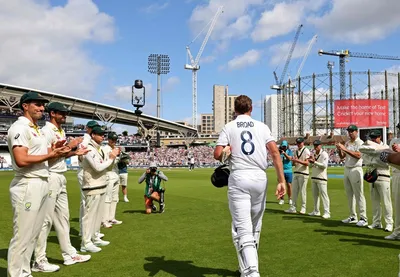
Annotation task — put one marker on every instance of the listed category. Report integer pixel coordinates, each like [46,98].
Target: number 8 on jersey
[247,145]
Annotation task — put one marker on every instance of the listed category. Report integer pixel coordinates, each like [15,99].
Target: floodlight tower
[158,64]
[194,63]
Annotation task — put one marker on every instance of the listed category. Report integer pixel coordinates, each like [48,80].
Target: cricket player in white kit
[29,189]
[94,185]
[112,191]
[395,146]
[250,141]
[353,177]
[86,139]
[319,180]
[300,176]
[57,210]
[380,188]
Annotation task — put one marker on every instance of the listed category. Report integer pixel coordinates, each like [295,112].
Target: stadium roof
[97,111]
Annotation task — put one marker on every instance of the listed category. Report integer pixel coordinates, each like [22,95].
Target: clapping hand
[82,151]
[58,144]
[75,142]
[396,147]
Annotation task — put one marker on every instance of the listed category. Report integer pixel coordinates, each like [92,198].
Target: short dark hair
[243,104]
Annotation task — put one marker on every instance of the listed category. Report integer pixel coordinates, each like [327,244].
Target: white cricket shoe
[393,236]
[350,219]
[115,222]
[45,266]
[326,216]
[389,228]
[76,259]
[375,226]
[303,211]
[100,242]
[126,199]
[362,222]
[281,202]
[90,248]
[291,210]
[314,213]
[290,202]
[99,235]
[106,224]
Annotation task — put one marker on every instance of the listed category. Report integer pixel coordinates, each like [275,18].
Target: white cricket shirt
[247,138]
[395,171]
[24,133]
[302,154]
[53,134]
[353,146]
[114,166]
[320,166]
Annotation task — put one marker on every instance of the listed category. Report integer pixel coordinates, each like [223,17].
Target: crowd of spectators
[174,157]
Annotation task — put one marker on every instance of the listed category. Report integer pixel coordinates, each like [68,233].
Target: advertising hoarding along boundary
[361,112]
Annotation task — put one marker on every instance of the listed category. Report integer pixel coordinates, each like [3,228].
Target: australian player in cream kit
[353,177]
[250,141]
[57,210]
[300,176]
[319,180]
[395,146]
[29,188]
[112,191]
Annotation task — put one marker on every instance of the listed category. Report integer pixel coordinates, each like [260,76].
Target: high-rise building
[207,123]
[230,108]
[219,107]
[271,114]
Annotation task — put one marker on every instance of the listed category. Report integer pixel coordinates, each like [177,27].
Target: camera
[153,169]
[282,149]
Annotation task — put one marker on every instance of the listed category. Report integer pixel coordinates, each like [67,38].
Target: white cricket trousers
[320,189]
[246,195]
[299,185]
[354,187]
[28,199]
[396,200]
[57,214]
[82,203]
[112,196]
[93,214]
[380,194]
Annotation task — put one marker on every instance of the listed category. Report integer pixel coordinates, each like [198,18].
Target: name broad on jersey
[244,124]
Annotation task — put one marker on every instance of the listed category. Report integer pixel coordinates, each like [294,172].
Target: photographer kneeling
[153,190]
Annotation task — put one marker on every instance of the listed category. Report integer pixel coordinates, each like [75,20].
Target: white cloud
[249,58]
[283,18]
[171,84]
[207,59]
[235,22]
[359,21]
[156,7]
[43,45]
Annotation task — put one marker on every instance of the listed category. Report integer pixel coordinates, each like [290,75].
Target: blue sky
[96,49]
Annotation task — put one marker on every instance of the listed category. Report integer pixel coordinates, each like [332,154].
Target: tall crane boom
[343,54]
[194,63]
[289,56]
[310,46]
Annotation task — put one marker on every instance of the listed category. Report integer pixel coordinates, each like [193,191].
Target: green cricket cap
[352,128]
[57,107]
[92,124]
[97,130]
[31,96]
[112,136]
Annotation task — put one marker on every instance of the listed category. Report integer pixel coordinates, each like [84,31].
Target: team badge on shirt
[16,136]
[28,206]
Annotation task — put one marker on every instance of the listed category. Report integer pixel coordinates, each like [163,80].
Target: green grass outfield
[192,238]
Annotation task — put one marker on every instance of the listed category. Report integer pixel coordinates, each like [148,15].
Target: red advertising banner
[361,112]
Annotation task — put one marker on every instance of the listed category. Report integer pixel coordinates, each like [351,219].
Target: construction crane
[194,63]
[278,86]
[343,54]
[310,46]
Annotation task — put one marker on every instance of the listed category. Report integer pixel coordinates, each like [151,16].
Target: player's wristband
[384,157]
